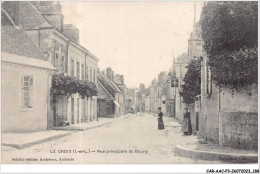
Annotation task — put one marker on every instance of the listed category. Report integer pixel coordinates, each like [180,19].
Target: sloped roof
[4,20]
[16,41]
[117,80]
[70,27]
[29,17]
[108,84]
[103,93]
[47,7]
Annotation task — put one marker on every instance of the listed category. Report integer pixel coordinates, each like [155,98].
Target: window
[91,75]
[82,72]
[72,67]
[86,73]
[78,70]
[27,92]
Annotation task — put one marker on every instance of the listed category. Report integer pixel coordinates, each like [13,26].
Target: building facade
[110,95]
[228,118]
[43,22]
[179,68]
[26,77]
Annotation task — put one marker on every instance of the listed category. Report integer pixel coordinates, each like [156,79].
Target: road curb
[32,143]
[214,156]
[80,129]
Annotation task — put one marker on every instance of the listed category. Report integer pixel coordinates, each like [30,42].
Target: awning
[117,104]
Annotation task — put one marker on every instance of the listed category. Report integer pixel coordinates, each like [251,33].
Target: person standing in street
[160,120]
[142,111]
[137,110]
[187,129]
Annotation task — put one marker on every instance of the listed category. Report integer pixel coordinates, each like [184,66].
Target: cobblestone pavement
[129,140]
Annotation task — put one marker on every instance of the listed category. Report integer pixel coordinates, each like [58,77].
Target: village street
[137,133]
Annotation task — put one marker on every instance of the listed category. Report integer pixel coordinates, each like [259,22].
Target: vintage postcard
[132,82]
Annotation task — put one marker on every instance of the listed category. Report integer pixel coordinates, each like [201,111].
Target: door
[72,110]
[77,110]
[98,108]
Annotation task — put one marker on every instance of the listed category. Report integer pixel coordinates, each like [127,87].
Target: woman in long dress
[187,129]
[160,120]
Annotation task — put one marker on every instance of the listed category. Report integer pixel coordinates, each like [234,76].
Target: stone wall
[244,100]
[238,129]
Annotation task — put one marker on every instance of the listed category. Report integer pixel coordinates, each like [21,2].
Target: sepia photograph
[130,82]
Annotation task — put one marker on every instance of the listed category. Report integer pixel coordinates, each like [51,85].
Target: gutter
[39,67]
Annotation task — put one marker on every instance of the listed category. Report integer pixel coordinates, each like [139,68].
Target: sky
[135,39]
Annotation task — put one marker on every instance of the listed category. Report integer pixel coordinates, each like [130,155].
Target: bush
[230,32]
[67,85]
[192,80]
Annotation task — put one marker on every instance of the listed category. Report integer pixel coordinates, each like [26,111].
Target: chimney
[110,73]
[112,77]
[122,79]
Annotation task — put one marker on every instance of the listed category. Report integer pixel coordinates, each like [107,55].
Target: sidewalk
[90,125]
[197,148]
[23,140]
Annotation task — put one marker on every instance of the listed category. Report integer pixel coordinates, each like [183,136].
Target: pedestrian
[160,120]
[137,110]
[187,129]
[142,111]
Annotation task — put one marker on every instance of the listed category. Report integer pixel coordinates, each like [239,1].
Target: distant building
[170,95]
[162,90]
[130,99]
[195,42]
[110,99]
[179,68]
[154,96]
[120,82]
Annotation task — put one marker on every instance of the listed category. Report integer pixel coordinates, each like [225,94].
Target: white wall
[14,117]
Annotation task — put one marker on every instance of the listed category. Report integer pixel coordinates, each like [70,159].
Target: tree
[192,80]
[230,32]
